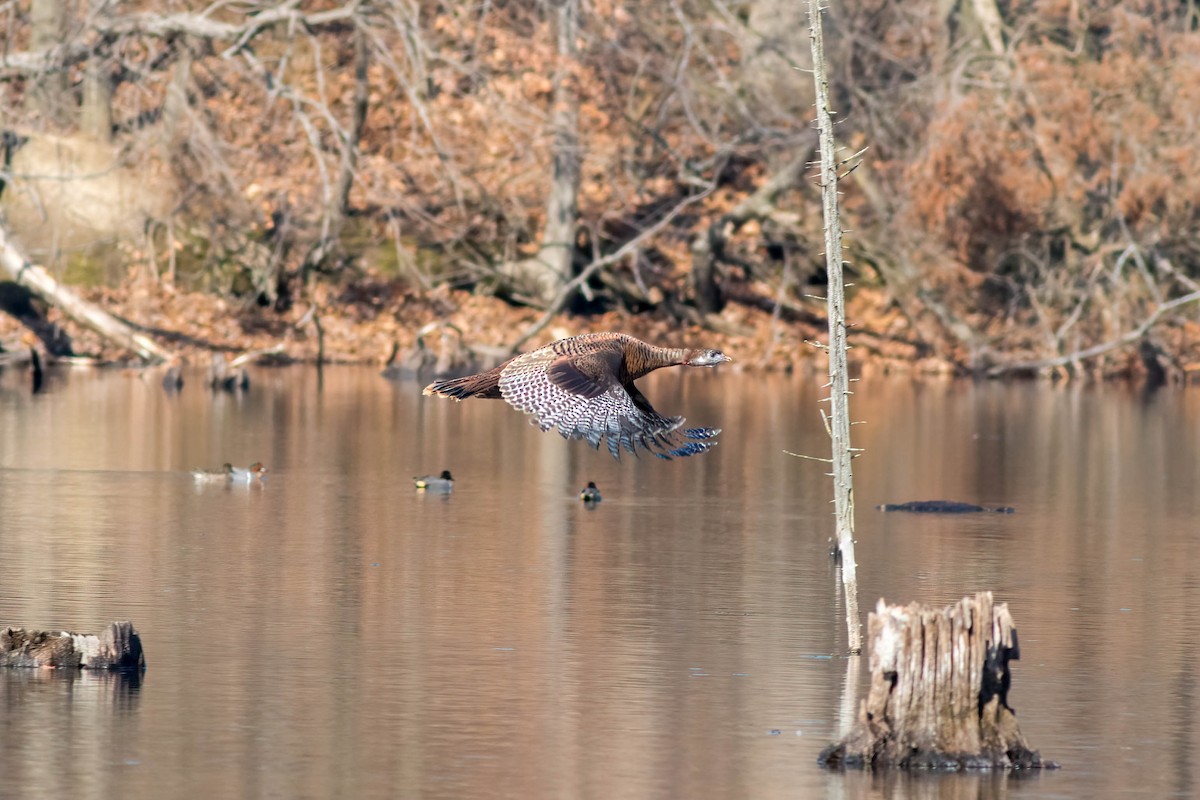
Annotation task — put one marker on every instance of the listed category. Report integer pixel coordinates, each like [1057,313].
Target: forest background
[447,181]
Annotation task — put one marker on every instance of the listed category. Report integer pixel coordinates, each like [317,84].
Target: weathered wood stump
[226,376]
[117,647]
[939,691]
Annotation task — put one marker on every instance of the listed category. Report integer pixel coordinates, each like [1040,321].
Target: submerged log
[943,507]
[117,647]
[939,691]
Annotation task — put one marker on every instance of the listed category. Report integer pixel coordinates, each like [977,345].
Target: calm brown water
[333,634]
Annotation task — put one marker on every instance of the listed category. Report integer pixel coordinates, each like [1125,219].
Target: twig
[810,458]
[1091,352]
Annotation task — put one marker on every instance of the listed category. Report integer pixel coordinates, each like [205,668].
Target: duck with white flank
[435,483]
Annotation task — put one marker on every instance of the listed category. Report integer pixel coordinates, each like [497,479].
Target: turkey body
[583,387]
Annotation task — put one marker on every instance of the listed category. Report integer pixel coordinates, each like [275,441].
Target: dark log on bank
[117,647]
[943,507]
[939,691]
[21,304]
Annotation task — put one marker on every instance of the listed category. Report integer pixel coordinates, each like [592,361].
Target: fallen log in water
[943,507]
[117,647]
[939,691]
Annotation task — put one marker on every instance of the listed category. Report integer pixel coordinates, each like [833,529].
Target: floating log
[117,647]
[939,692]
[943,507]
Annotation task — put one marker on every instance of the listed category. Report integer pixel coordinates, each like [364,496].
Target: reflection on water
[333,633]
[51,713]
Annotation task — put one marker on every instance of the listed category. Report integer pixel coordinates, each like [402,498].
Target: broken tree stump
[939,691]
[117,647]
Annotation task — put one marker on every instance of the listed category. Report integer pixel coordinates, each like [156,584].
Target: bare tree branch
[591,269]
[1129,337]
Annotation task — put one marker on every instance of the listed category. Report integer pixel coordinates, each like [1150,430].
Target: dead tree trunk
[562,208]
[839,378]
[27,274]
[542,278]
[706,292]
[48,93]
[939,691]
[350,148]
[95,113]
[117,647]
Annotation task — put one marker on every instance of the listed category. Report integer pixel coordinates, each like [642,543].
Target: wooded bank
[1021,206]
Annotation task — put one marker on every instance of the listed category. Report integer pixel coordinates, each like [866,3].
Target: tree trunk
[117,647]
[987,13]
[362,89]
[95,115]
[23,272]
[544,277]
[706,292]
[939,691]
[175,102]
[839,380]
[558,238]
[48,92]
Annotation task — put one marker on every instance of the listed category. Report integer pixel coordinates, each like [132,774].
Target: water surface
[334,633]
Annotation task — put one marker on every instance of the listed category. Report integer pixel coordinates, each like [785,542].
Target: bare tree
[839,380]
[543,277]
[48,94]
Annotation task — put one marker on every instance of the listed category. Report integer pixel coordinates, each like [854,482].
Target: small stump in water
[117,647]
[939,691]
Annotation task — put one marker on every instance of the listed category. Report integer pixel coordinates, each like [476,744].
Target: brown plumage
[583,387]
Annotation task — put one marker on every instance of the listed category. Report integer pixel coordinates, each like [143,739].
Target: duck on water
[435,483]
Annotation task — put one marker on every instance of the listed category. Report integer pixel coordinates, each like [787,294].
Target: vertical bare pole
[839,382]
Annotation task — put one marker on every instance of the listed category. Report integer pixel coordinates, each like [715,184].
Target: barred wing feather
[581,397]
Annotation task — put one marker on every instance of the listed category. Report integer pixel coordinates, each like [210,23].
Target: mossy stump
[117,647]
[939,692]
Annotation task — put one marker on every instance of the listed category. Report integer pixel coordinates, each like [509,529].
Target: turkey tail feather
[485,384]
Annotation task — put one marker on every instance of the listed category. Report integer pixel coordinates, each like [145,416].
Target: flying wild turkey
[583,386]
